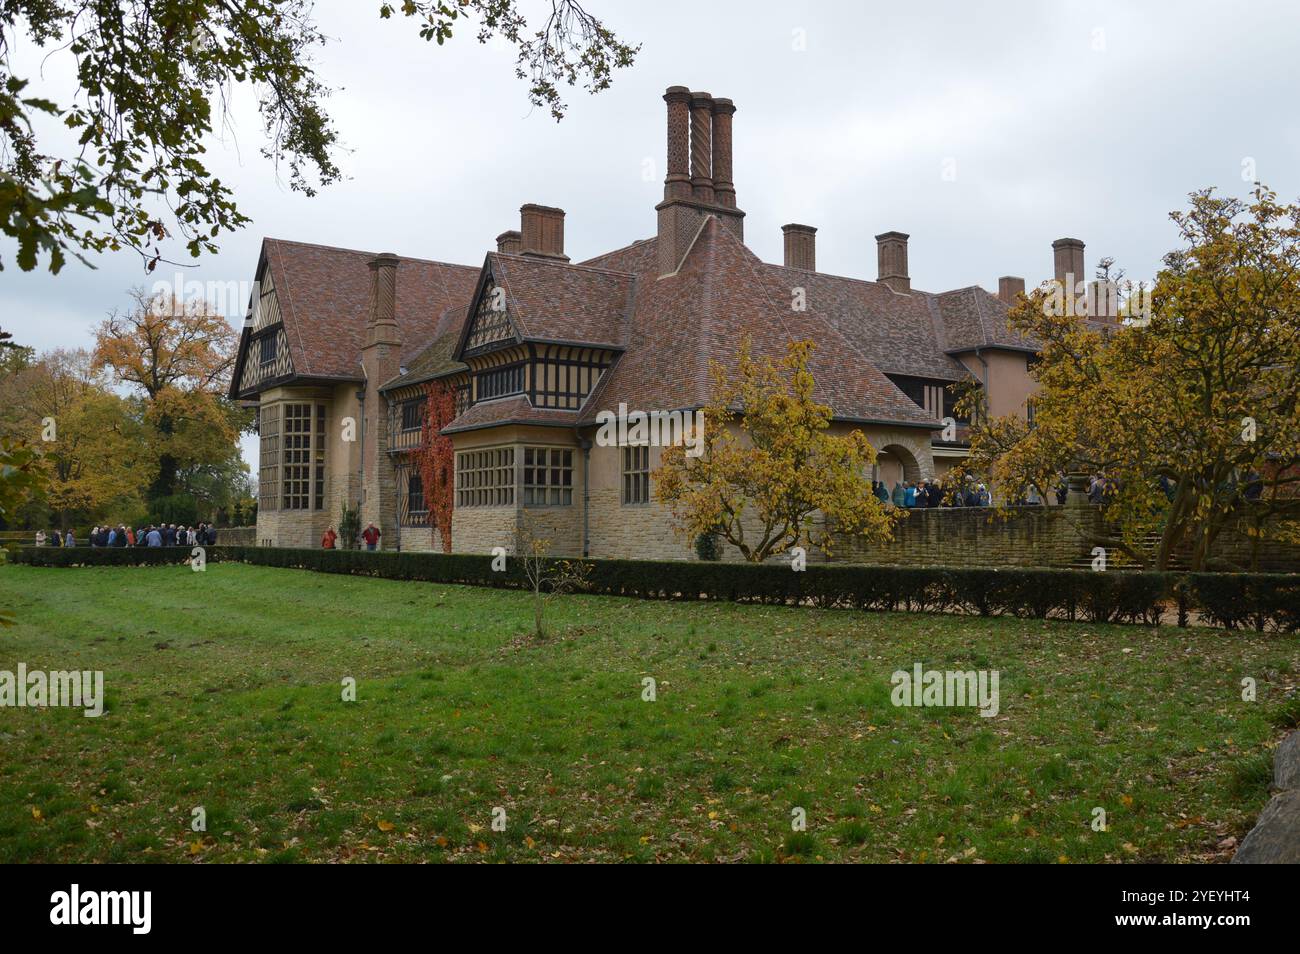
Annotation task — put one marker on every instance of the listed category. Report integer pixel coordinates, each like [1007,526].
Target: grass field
[224,691]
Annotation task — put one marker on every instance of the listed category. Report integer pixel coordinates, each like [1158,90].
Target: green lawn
[224,691]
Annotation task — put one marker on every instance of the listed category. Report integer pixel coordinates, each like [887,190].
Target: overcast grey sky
[1092,120]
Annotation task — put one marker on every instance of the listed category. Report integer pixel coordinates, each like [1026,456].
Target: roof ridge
[361,251]
[979,310]
[702,354]
[554,263]
[621,248]
[765,289]
[937,322]
[875,283]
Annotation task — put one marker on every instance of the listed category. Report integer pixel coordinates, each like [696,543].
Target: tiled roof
[896,332]
[436,360]
[550,300]
[324,296]
[973,318]
[509,410]
[670,328]
[721,293]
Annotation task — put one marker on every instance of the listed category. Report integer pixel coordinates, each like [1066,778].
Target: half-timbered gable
[264,357]
[491,323]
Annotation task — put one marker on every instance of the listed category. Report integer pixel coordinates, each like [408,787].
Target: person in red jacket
[327,541]
[371,535]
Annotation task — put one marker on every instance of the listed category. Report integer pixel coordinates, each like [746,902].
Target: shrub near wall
[101,556]
[1265,602]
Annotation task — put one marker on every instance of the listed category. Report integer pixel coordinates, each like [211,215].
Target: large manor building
[340,348]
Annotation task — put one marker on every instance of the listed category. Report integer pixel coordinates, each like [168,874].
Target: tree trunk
[537,612]
[1174,528]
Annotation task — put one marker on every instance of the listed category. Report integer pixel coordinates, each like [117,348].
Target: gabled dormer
[490,325]
[541,328]
[264,358]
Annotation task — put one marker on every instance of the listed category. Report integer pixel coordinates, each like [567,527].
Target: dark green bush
[1261,601]
[102,556]
[708,547]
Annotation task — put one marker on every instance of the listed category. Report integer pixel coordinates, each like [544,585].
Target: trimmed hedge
[1260,601]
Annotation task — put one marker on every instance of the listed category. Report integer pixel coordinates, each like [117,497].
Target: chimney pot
[510,242]
[542,231]
[1009,288]
[800,246]
[891,259]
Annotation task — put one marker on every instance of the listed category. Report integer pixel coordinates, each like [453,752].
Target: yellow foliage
[769,464]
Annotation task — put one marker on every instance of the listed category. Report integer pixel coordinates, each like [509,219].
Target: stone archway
[897,463]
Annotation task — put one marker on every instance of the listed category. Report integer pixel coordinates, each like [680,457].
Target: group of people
[931,493]
[369,536]
[159,535]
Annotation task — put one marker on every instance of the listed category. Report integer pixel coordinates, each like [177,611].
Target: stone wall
[290,528]
[479,529]
[237,536]
[1030,536]
[958,536]
[1240,544]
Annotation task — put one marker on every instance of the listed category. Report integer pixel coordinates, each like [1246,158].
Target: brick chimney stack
[677,184]
[698,184]
[1009,287]
[724,190]
[542,232]
[510,243]
[800,246]
[382,329]
[381,362]
[891,258]
[1067,255]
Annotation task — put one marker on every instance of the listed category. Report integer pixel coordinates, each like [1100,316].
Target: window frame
[513,377]
[415,404]
[635,475]
[302,456]
[265,360]
[555,485]
[486,477]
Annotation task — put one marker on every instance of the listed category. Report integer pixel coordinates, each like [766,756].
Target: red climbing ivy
[435,459]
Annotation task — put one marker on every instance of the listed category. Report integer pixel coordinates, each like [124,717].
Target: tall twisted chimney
[699,181]
[724,190]
[702,147]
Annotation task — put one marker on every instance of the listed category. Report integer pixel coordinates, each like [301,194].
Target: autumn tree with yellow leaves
[92,441]
[178,357]
[1190,408]
[770,475]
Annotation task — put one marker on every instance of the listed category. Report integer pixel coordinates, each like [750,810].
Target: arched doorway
[896,464]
